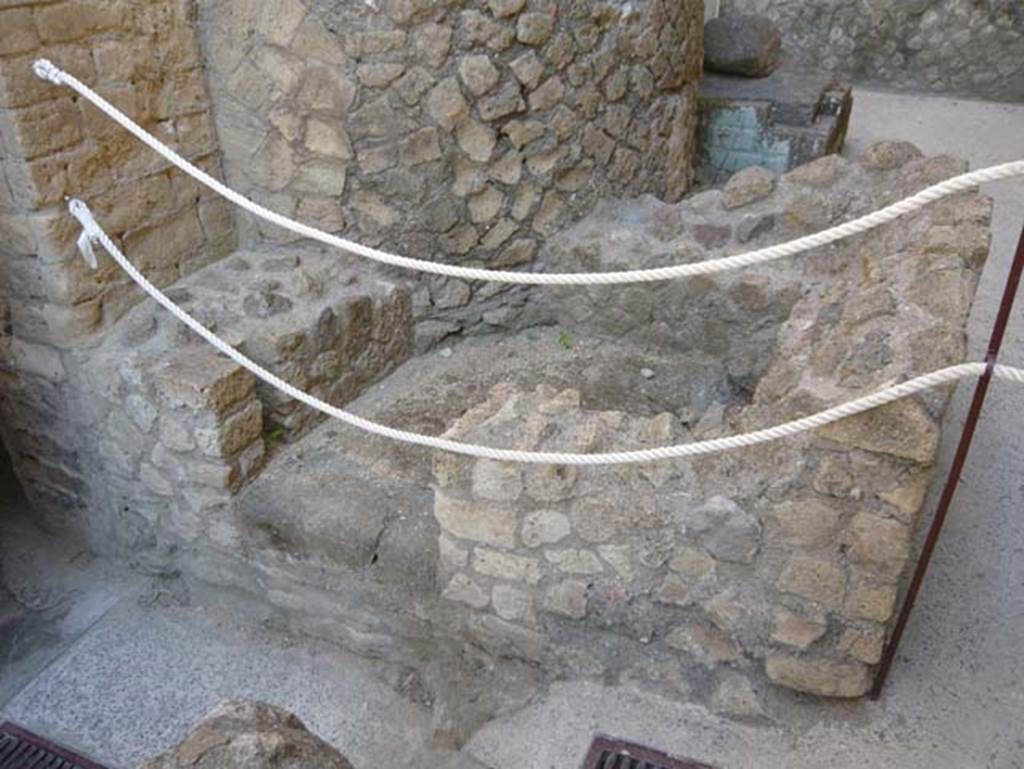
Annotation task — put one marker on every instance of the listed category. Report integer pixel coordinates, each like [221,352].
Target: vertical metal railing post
[1013,280]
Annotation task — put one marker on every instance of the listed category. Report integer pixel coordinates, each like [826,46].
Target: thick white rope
[46,70]
[93,233]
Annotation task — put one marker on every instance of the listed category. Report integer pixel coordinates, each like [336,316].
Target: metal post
[953,479]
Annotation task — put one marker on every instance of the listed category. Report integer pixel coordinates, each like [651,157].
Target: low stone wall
[787,557]
[183,427]
[965,47]
[457,131]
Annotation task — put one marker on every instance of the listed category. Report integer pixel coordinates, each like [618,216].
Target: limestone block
[446,105]
[734,695]
[512,604]
[462,589]
[820,581]
[568,598]
[201,379]
[490,524]
[879,544]
[534,28]
[748,186]
[233,432]
[869,600]
[514,568]
[478,73]
[575,561]
[806,522]
[796,631]
[902,429]
[819,676]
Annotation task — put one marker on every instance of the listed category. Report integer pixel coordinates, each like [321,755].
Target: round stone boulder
[742,44]
[250,735]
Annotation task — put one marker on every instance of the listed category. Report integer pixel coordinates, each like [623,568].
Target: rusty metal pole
[956,469]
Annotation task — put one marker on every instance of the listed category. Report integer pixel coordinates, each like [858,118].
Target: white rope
[46,70]
[93,233]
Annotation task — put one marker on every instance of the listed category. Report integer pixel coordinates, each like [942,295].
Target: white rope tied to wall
[93,233]
[46,70]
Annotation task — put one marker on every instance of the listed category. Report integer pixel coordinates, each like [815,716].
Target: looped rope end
[47,70]
[91,232]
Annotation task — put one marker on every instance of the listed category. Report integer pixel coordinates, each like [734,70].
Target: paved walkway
[120,670]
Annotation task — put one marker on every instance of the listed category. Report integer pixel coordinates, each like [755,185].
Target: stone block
[490,524]
[203,380]
[823,677]
[461,589]
[568,598]
[514,568]
[878,544]
[233,432]
[822,582]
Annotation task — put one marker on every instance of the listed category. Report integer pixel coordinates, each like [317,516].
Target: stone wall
[966,47]
[783,560]
[456,131]
[144,56]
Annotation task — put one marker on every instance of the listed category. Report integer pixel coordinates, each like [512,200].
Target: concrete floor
[121,670]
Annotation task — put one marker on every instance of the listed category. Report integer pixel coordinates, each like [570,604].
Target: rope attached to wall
[965,182]
[92,233]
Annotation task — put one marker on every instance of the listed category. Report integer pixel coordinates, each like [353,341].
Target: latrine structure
[479,134]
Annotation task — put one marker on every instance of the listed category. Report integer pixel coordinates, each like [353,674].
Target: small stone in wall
[446,104]
[796,631]
[528,69]
[420,147]
[820,581]
[575,561]
[727,531]
[507,101]
[476,140]
[742,44]
[748,186]
[504,8]
[735,696]
[535,28]
[707,643]
[545,527]
[478,73]
[568,598]
[461,589]
[501,565]
[825,677]
[512,604]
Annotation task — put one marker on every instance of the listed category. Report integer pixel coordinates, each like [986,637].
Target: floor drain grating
[20,749]
[606,753]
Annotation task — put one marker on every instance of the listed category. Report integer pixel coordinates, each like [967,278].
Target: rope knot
[47,70]
[91,232]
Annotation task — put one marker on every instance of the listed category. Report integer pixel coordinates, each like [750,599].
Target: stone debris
[250,735]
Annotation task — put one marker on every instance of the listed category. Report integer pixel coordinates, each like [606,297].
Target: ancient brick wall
[455,131]
[144,56]
[966,47]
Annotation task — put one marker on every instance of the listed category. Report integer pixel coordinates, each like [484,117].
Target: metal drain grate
[606,753]
[20,749]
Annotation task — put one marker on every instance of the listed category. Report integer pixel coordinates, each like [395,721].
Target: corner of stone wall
[145,58]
